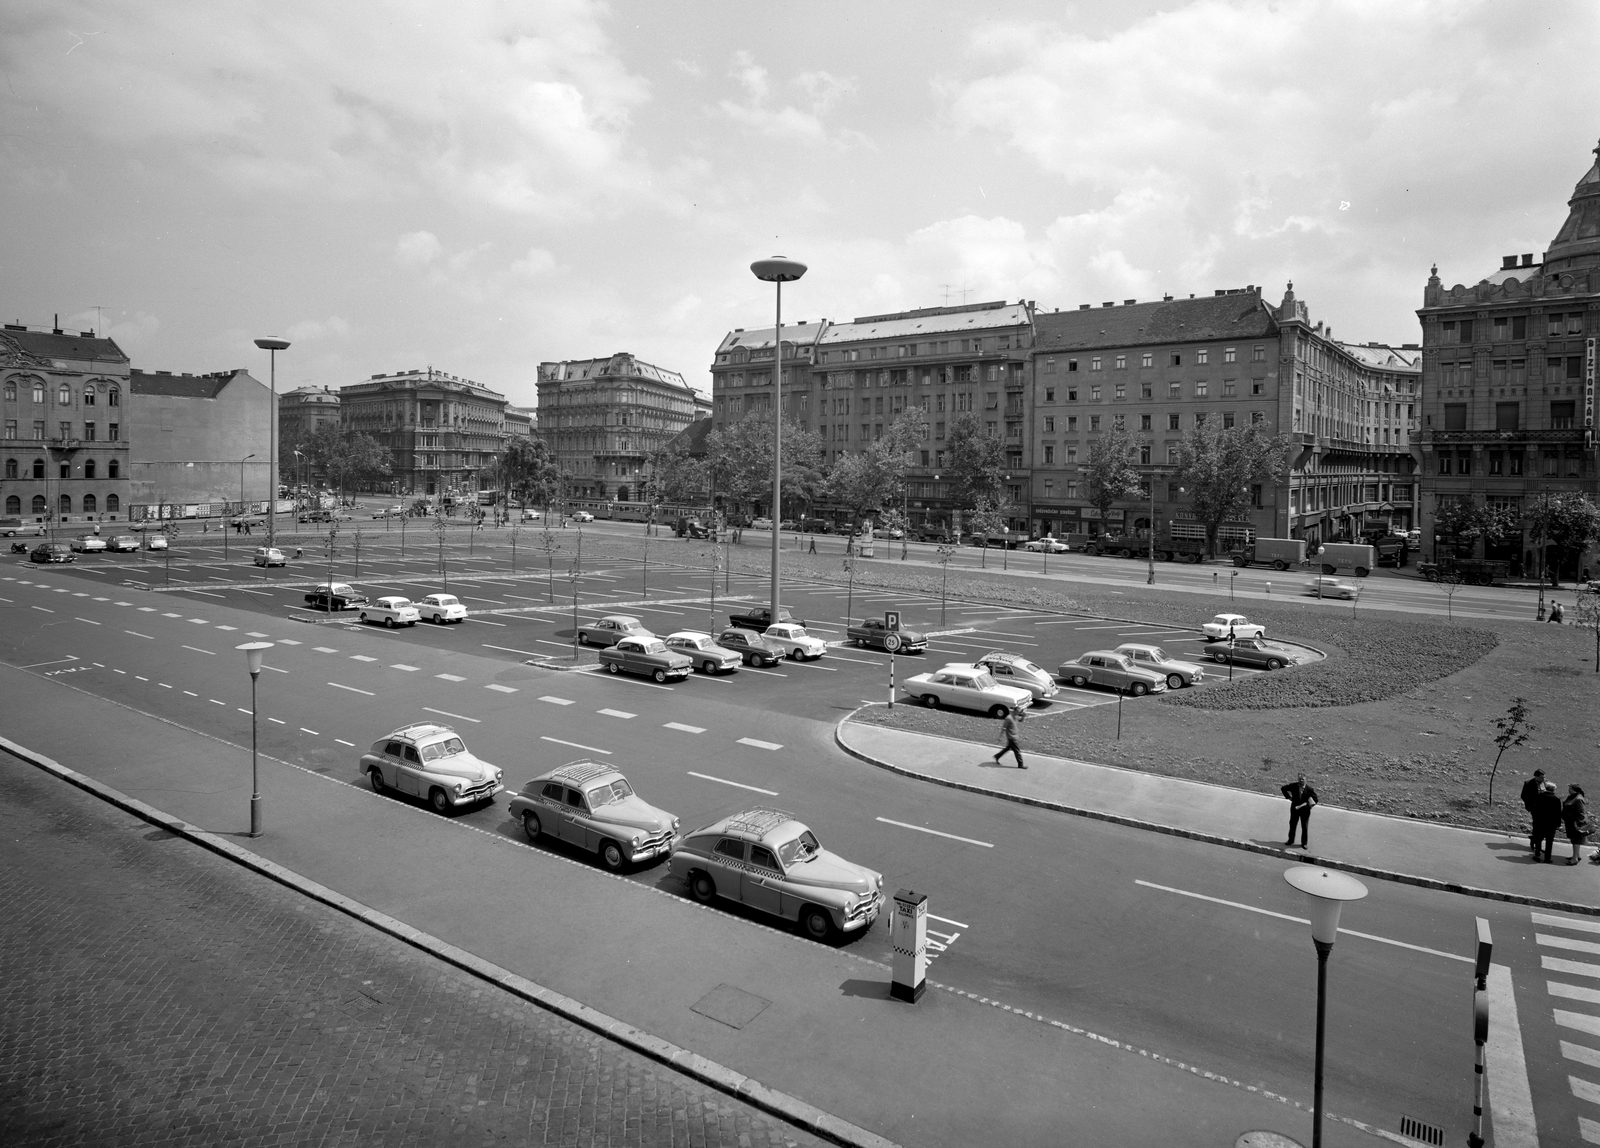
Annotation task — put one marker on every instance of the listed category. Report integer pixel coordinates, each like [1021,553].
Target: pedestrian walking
[1008,730]
[1575,818]
[1546,810]
[813,549]
[1301,798]
[1530,795]
[1555,613]
[1585,575]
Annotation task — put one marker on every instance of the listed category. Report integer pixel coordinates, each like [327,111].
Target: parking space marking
[220,627]
[450,677]
[286,641]
[555,701]
[352,689]
[575,745]
[172,615]
[759,744]
[768,673]
[936,832]
[617,713]
[253,634]
[341,741]
[403,666]
[91,622]
[325,649]
[948,921]
[361,658]
[628,681]
[737,784]
[678,725]
[501,689]
[198,650]
[200,621]
[509,650]
[447,713]
[486,622]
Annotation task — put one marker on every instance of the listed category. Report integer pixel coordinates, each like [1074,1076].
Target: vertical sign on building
[1588,394]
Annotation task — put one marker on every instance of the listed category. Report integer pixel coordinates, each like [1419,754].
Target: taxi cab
[591,805]
[430,761]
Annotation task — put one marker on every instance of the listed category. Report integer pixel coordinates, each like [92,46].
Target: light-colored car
[591,805]
[269,556]
[155,542]
[703,651]
[1113,670]
[761,524]
[798,644]
[1252,652]
[769,860]
[647,656]
[1049,544]
[442,608]
[967,687]
[1327,586]
[532,516]
[10,528]
[583,516]
[611,629]
[430,761]
[874,632]
[1147,657]
[335,596]
[756,649]
[123,544]
[88,544]
[1236,625]
[392,610]
[1015,670]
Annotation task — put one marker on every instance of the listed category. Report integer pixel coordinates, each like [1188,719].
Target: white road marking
[341,741]
[191,693]
[144,609]
[286,641]
[1583,1022]
[403,666]
[936,832]
[220,627]
[616,713]
[948,921]
[501,689]
[361,658]
[451,677]
[739,784]
[42,610]
[486,622]
[509,650]
[678,725]
[352,689]
[458,717]
[554,700]
[1572,968]
[1566,943]
[1572,992]
[575,745]
[312,732]
[198,650]
[200,621]
[142,679]
[759,744]
[164,685]
[1581,1053]
[1511,1100]
[52,662]
[124,673]
[274,669]
[92,623]
[768,673]
[1566,923]
[325,649]
[629,681]
[253,634]
[277,721]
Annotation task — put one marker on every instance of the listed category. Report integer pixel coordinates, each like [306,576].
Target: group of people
[1551,812]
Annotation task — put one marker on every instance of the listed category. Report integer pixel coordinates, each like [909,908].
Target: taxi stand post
[910,938]
[1480,1023]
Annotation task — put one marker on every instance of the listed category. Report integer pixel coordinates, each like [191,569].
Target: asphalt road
[1104,926]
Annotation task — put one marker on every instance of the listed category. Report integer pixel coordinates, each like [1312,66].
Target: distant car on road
[123,544]
[145,524]
[1015,670]
[1327,586]
[758,618]
[531,516]
[967,687]
[769,860]
[611,629]
[11,527]
[754,648]
[335,596]
[430,761]
[51,552]
[1113,670]
[1049,544]
[873,632]
[761,524]
[703,651]
[392,610]
[155,542]
[583,516]
[1234,625]
[442,608]
[88,544]
[1148,657]
[1252,652]
[647,656]
[792,637]
[269,556]
[591,805]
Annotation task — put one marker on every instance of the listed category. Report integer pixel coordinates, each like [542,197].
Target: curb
[707,1072]
[1208,838]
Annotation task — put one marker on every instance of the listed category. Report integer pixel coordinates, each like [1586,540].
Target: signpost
[1480,1021]
[891,642]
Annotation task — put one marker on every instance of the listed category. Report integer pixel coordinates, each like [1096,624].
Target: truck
[1472,571]
[1347,558]
[1170,546]
[1279,553]
[1392,548]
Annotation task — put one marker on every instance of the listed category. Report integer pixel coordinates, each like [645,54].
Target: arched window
[66,504]
[88,396]
[64,395]
[38,468]
[88,468]
[13,505]
[113,504]
[112,469]
[38,504]
[114,398]
[89,504]
[11,468]
[38,392]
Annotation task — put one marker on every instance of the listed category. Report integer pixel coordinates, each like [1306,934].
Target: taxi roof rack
[575,773]
[759,821]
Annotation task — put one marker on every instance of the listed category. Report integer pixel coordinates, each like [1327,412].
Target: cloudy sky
[481,186]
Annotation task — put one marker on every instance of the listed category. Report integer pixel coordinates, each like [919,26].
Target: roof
[577,773]
[61,345]
[421,729]
[184,386]
[1384,356]
[1240,315]
[1577,244]
[309,395]
[621,364]
[693,437]
[758,822]
[929,321]
[802,333]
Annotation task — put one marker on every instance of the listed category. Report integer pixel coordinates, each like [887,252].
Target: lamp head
[777,269]
[1328,890]
[252,654]
[273,343]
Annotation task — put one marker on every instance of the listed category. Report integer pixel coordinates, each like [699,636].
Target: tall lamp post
[252,654]
[242,461]
[272,345]
[1328,891]
[777,271]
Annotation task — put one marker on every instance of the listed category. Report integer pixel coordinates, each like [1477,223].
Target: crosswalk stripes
[1587,1087]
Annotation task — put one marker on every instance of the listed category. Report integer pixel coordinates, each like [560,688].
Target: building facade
[603,418]
[442,431]
[1508,382]
[302,413]
[519,422]
[200,440]
[64,402]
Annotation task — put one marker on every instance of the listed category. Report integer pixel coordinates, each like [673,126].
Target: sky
[480,187]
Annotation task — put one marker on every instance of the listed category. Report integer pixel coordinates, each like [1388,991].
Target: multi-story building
[442,430]
[519,422]
[66,437]
[200,441]
[302,413]
[1160,368]
[603,418]
[1508,381]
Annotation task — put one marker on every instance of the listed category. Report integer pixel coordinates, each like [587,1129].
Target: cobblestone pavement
[153,993]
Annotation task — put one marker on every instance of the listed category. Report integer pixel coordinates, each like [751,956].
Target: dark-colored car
[51,552]
[872,632]
[751,646]
[1252,652]
[335,596]
[758,618]
[647,656]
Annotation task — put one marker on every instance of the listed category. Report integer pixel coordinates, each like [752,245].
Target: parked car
[873,632]
[1237,625]
[1113,670]
[967,687]
[611,629]
[392,610]
[755,649]
[51,552]
[761,524]
[88,544]
[1049,544]
[1251,652]
[592,805]
[703,651]
[442,608]
[1015,670]
[1326,586]
[155,542]
[583,516]
[269,556]
[792,637]
[123,544]
[769,860]
[532,516]
[430,761]
[145,524]
[316,516]
[758,618]
[1147,657]
[788,524]
[816,526]
[646,655]
[335,596]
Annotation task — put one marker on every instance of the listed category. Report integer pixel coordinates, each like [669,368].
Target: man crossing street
[1301,798]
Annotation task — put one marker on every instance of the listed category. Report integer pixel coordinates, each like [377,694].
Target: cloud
[536,264]
[417,248]
[823,93]
[308,330]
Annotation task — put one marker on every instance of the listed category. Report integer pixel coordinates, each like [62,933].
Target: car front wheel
[583,639]
[702,888]
[931,701]
[660,675]
[439,800]
[817,923]
[1138,689]
[1274,664]
[708,668]
[612,856]
[375,775]
[531,826]
[1174,681]
[1079,680]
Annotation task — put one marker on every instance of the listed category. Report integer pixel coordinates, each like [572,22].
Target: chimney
[1113,303]
[1166,298]
[1507,262]
[1085,306]
[1527,259]
[1129,302]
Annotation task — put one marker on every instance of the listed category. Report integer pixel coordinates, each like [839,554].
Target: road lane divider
[198,650]
[403,666]
[450,677]
[678,725]
[501,689]
[352,689]
[758,744]
[936,832]
[575,745]
[737,784]
[624,714]
[555,701]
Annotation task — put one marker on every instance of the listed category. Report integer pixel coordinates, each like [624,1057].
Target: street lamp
[252,654]
[299,482]
[777,271]
[242,461]
[1328,891]
[272,345]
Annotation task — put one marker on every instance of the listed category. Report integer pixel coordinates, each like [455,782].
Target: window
[11,390]
[1172,422]
[1147,359]
[38,468]
[1049,424]
[1227,419]
[1094,422]
[1049,394]
[88,396]
[1118,421]
[1229,354]
[89,504]
[1257,418]
[1200,389]
[1072,488]
[1255,496]
[88,468]
[1122,390]
[113,470]
[1049,366]
[1144,422]
[38,392]
[1072,365]
[938,431]
[1455,416]
[1094,363]
[1227,388]
[1072,455]
[1516,462]
[1094,394]
[1466,330]
[1574,367]
[1258,354]
[1072,424]
[11,468]
[729,847]
[64,396]
[11,428]
[1561,415]
[1519,326]
[65,502]
[1496,462]
[1200,419]
[1257,386]
[1575,323]
[1505,417]
[13,506]
[1552,463]
[1202,357]
[88,432]
[1174,390]
[1049,455]
[1500,329]
[38,504]
[1177,359]
[1464,462]
[1444,462]
[1144,454]
[1122,362]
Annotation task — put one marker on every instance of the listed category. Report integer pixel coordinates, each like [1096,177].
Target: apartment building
[442,430]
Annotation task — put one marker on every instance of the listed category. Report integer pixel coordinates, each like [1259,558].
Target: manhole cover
[733,1007]
[1266,1140]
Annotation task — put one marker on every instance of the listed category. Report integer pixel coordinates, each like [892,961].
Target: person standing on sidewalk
[1301,798]
[1575,817]
[1546,810]
[1530,796]
[1008,730]
[1555,613]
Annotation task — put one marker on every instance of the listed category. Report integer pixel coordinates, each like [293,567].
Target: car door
[761,881]
[727,868]
[572,816]
[389,764]
[409,774]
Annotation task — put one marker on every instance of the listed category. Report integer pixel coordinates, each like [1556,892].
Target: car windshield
[449,747]
[606,794]
[800,849]
[1156,653]
[981,682]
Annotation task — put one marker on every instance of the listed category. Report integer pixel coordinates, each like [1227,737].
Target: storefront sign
[1588,394]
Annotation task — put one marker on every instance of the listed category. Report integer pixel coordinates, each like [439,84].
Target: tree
[1567,521]
[867,480]
[740,461]
[1586,612]
[1219,465]
[986,518]
[675,477]
[528,471]
[1464,518]
[975,461]
[347,456]
[1110,472]
[1514,730]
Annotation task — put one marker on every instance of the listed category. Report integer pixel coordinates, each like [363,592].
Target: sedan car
[430,761]
[155,542]
[1147,657]
[1251,652]
[335,596]
[754,648]
[873,632]
[769,860]
[269,556]
[967,687]
[761,524]
[591,805]
[392,610]
[1236,625]
[531,516]
[442,608]
[1114,670]
[51,552]
[123,544]
[703,651]
[583,516]
[800,645]
[1049,544]
[1324,586]
[88,543]
[611,629]
[1015,670]
[645,655]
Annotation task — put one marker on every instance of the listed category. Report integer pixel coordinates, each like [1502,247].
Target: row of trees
[1566,521]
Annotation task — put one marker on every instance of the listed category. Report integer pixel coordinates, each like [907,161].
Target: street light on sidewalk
[1328,891]
[777,271]
[272,345]
[252,654]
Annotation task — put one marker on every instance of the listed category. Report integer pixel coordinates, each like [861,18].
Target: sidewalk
[1443,857]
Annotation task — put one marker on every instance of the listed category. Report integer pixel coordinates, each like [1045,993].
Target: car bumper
[653,847]
[863,914]
[473,796]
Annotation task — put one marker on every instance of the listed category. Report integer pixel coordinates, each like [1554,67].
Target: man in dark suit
[1530,795]
[1301,798]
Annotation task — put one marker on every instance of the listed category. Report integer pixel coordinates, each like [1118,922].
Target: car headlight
[637,837]
[459,787]
[674,824]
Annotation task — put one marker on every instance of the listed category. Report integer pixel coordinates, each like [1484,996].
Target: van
[1347,558]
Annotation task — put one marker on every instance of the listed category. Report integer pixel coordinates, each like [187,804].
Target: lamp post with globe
[777,271]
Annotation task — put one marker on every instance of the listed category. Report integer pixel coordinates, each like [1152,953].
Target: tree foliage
[865,481]
[528,471]
[1567,521]
[1466,518]
[1220,464]
[1110,471]
[974,461]
[1514,730]
[675,476]
[740,460]
[346,457]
